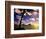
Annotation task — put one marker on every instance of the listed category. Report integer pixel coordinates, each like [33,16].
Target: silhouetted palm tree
[21,28]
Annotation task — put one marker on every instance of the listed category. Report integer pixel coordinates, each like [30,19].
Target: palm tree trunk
[21,18]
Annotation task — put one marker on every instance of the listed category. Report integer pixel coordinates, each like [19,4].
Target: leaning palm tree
[21,28]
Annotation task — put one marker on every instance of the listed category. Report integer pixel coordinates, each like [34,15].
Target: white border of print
[25,31]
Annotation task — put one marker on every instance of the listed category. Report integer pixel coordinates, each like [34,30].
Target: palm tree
[21,28]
